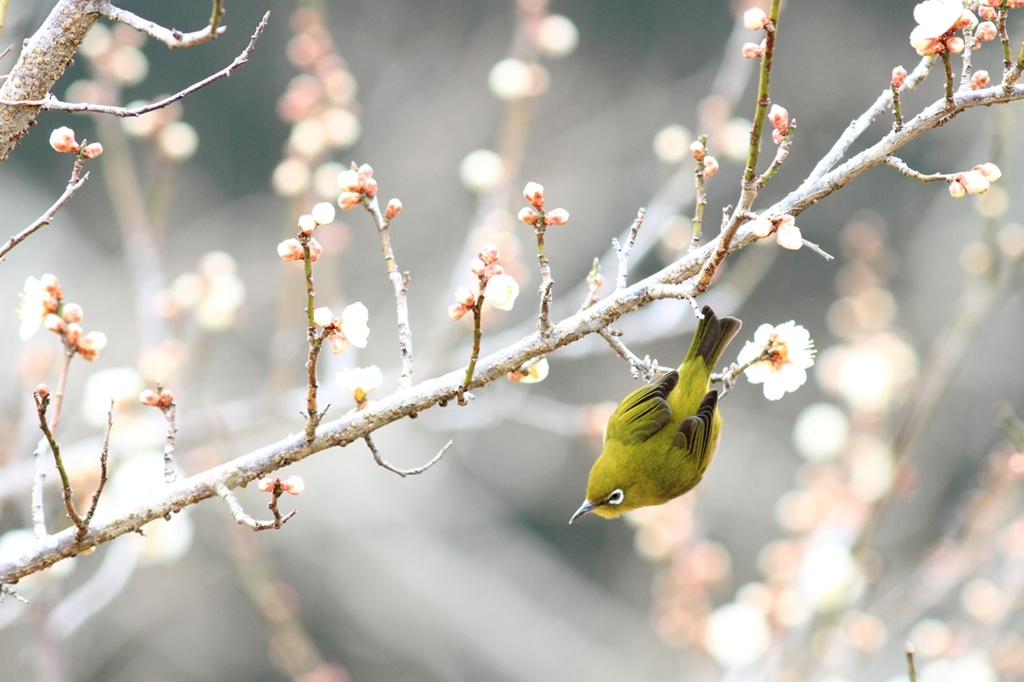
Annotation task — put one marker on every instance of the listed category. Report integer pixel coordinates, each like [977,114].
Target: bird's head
[613,489]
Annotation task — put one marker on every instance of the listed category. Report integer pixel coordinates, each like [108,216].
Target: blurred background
[878,504]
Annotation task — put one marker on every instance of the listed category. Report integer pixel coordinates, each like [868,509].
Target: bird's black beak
[585,509]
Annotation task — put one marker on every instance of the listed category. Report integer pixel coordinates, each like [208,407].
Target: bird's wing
[644,412]
[694,434]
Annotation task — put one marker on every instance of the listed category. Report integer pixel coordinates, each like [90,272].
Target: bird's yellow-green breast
[662,436]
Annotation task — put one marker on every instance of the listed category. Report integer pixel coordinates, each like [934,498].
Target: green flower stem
[763,88]
[701,199]
[948,63]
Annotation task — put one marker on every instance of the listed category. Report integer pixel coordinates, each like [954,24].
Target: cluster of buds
[355,184]
[975,181]
[987,8]
[937,21]
[499,289]
[293,485]
[348,328]
[755,19]
[161,398]
[359,381]
[42,303]
[292,249]
[700,154]
[63,140]
[779,118]
[787,234]
[534,214]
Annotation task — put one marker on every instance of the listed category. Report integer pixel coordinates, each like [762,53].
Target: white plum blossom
[353,324]
[34,307]
[501,291]
[360,380]
[785,352]
[935,18]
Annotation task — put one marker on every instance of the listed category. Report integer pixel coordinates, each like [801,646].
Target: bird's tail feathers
[712,336]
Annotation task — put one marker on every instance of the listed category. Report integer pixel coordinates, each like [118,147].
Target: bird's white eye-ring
[616,497]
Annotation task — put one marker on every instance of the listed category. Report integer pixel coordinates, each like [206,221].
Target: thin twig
[902,167]
[170,414]
[51,103]
[7,589]
[170,37]
[547,284]
[38,513]
[763,90]
[405,472]
[897,109]
[477,336]
[243,519]
[42,403]
[622,252]
[315,339]
[400,282]
[911,671]
[818,250]
[645,369]
[103,470]
[74,184]
[1004,38]
[780,157]
[701,196]
[594,281]
[947,63]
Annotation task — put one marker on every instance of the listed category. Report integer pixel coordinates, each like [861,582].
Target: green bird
[661,438]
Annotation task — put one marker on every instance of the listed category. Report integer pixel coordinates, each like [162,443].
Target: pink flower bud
[323,317]
[534,194]
[267,484]
[698,150]
[72,312]
[393,209]
[492,270]
[957,190]
[489,253]
[966,19]
[323,213]
[987,13]
[989,170]
[477,266]
[149,397]
[306,225]
[465,297]
[777,136]
[365,172]
[42,390]
[370,187]
[90,345]
[779,118]
[755,19]
[314,250]
[72,333]
[788,234]
[955,44]
[456,312]
[93,150]
[761,226]
[52,285]
[986,31]
[974,182]
[899,77]
[290,249]
[63,140]
[166,399]
[293,485]
[558,216]
[710,166]
[979,80]
[53,323]
[528,216]
[348,181]
[337,343]
[752,50]
[349,200]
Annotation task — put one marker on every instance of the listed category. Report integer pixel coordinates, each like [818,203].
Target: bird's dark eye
[616,497]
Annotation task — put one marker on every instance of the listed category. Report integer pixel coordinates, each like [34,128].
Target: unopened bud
[348,181]
[489,253]
[493,270]
[979,80]
[755,19]
[761,226]
[314,250]
[974,182]
[528,215]
[476,266]
[465,297]
[394,207]
[787,234]
[72,312]
[957,190]
[698,150]
[323,213]
[267,484]
[90,345]
[72,333]
[534,194]
[63,140]
[558,216]
[307,224]
[710,166]
[986,31]
[92,150]
[53,323]
[779,118]
[955,44]
[989,170]
[52,285]
[457,312]
[293,485]
[987,13]
[370,187]
[149,397]
[337,343]
[899,77]
[42,390]
[752,50]
[349,200]
[365,172]
[323,317]
[166,399]
[290,249]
